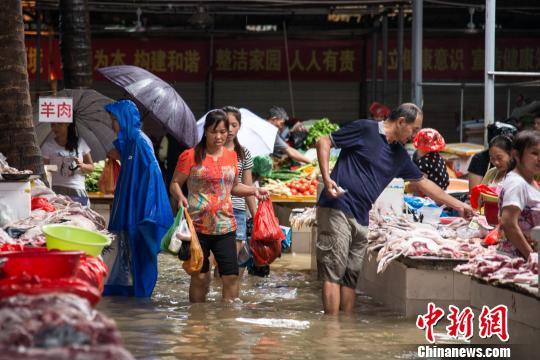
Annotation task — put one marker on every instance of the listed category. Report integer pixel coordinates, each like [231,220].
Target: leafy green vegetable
[262,165]
[92,179]
[320,128]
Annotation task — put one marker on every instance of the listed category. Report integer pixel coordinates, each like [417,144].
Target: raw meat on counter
[398,236]
[498,268]
[59,326]
[67,212]
[303,218]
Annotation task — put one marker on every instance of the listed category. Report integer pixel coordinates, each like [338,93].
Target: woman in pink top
[519,201]
[211,172]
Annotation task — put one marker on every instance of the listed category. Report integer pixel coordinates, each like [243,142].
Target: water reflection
[279,317]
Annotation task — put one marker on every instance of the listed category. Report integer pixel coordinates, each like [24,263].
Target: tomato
[294,192]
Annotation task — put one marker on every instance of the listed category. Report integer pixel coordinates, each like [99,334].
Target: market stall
[459,155]
[497,279]
[294,192]
[100,185]
[51,276]
[448,262]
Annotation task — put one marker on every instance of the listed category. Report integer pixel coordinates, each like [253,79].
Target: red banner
[461,58]
[308,59]
[50,60]
[456,58]
[171,60]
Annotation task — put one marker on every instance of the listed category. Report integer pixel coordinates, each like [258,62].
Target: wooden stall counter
[101,203]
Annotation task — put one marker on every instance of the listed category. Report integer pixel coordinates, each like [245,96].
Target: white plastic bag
[181,233]
[175,244]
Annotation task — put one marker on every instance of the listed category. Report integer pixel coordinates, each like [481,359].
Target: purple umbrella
[156,99]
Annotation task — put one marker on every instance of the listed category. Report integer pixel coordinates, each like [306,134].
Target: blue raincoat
[141,212]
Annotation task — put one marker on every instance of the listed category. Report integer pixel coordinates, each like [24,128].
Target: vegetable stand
[101,203]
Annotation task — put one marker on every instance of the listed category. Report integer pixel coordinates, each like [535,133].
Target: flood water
[280,317]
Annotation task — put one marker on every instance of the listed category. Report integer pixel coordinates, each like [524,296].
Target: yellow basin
[64,237]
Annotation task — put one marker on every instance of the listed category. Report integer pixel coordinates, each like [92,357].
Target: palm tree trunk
[18,140]
[75,44]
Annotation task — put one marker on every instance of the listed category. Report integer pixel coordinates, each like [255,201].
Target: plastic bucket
[64,237]
[491,208]
[491,212]
[41,262]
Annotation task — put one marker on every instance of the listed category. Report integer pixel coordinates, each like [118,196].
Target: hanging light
[201,18]
[471,27]
[139,26]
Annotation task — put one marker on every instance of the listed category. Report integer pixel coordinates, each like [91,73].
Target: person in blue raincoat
[141,212]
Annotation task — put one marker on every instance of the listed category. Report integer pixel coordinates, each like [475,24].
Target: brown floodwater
[280,317]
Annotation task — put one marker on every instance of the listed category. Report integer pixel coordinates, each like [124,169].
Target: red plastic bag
[92,270]
[267,235]
[266,225]
[492,238]
[107,181]
[42,203]
[33,285]
[11,247]
[265,253]
[477,190]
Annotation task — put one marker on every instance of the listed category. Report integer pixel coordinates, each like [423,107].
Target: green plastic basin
[64,237]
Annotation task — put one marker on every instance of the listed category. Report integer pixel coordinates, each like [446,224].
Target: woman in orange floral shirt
[211,172]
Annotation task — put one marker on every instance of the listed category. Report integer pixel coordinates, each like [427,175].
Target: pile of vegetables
[277,188]
[92,179]
[303,187]
[300,187]
[262,165]
[284,175]
[320,128]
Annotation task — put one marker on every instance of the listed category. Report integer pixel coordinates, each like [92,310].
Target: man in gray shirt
[277,116]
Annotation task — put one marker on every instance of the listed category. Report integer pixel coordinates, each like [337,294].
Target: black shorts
[224,249]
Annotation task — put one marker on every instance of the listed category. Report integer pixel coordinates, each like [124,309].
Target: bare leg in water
[336,297]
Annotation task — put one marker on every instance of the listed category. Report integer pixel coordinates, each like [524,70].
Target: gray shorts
[341,246]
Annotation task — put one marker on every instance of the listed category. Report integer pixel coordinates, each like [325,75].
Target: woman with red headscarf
[378,111]
[428,143]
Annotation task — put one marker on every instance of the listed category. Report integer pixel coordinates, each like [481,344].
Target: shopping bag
[182,231]
[166,239]
[267,235]
[492,238]
[266,225]
[181,236]
[195,262]
[42,203]
[264,253]
[107,180]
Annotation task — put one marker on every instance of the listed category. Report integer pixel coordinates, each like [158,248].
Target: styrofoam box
[17,196]
[391,199]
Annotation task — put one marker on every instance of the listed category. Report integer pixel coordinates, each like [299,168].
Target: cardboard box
[301,240]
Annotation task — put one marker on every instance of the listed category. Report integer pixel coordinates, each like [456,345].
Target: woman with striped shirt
[245,164]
